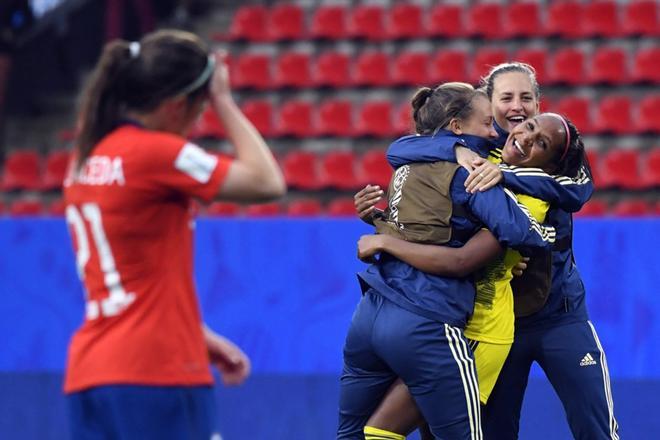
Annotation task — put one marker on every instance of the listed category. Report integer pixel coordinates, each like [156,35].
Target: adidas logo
[587,360]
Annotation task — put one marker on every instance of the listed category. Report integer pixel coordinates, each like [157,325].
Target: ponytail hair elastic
[134,49]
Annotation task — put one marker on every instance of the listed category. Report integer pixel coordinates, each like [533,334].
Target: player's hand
[466,157]
[520,267]
[484,176]
[219,87]
[365,202]
[369,246]
[233,364]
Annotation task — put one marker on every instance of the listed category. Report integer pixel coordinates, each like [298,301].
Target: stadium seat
[484,20]
[341,207]
[304,208]
[22,171]
[410,69]
[613,115]
[301,170]
[545,104]
[484,59]
[567,66]
[208,126]
[577,109]
[593,208]
[25,207]
[405,21]
[631,208]
[250,23]
[329,21]
[251,70]
[640,18]
[564,19]
[367,21]
[601,19]
[522,20]
[645,66]
[446,20]
[648,115]
[263,210]
[335,118]
[537,58]
[286,22]
[373,168]
[295,119]
[57,163]
[222,209]
[372,68]
[337,170]
[260,113]
[56,208]
[403,122]
[620,169]
[332,69]
[650,168]
[292,69]
[609,65]
[448,65]
[374,118]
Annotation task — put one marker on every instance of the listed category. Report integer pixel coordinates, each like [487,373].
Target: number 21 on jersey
[117,299]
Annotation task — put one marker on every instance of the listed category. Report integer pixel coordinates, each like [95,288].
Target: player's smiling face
[513,99]
[537,142]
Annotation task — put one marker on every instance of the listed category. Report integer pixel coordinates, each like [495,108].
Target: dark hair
[139,77]
[488,81]
[576,155]
[435,108]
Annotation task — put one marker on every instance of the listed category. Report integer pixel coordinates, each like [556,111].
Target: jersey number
[117,299]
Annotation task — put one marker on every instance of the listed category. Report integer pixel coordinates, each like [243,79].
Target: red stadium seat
[593,208]
[485,20]
[645,67]
[578,110]
[332,69]
[25,207]
[614,115]
[374,118]
[295,119]
[329,21]
[260,113]
[223,209]
[403,122]
[631,208]
[620,169]
[56,208]
[448,65]
[367,21]
[301,170]
[372,69]
[338,170]
[411,69]
[567,66]
[601,19]
[263,210]
[609,65]
[374,169]
[286,22]
[484,59]
[405,21]
[640,18]
[446,20]
[545,104]
[208,126]
[341,207]
[57,164]
[522,20]
[564,19]
[292,70]
[335,118]
[304,208]
[251,70]
[22,170]
[250,23]
[594,162]
[537,58]
[648,117]
[650,168]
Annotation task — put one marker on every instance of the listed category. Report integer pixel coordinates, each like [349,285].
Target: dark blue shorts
[127,412]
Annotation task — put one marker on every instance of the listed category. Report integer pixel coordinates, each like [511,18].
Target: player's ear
[455,126]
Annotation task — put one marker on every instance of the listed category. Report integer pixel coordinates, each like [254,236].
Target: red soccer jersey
[128,210]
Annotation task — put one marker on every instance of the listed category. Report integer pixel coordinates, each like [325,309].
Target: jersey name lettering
[101,170]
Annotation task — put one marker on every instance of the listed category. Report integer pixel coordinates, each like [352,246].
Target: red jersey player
[138,367]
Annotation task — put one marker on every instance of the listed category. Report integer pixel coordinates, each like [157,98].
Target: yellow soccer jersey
[493,317]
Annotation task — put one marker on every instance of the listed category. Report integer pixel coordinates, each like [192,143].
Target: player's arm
[409,149]
[254,174]
[365,202]
[232,362]
[438,260]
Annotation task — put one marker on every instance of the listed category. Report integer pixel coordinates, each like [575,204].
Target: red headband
[568,133]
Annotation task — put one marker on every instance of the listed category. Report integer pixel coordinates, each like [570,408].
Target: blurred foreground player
[138,367]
